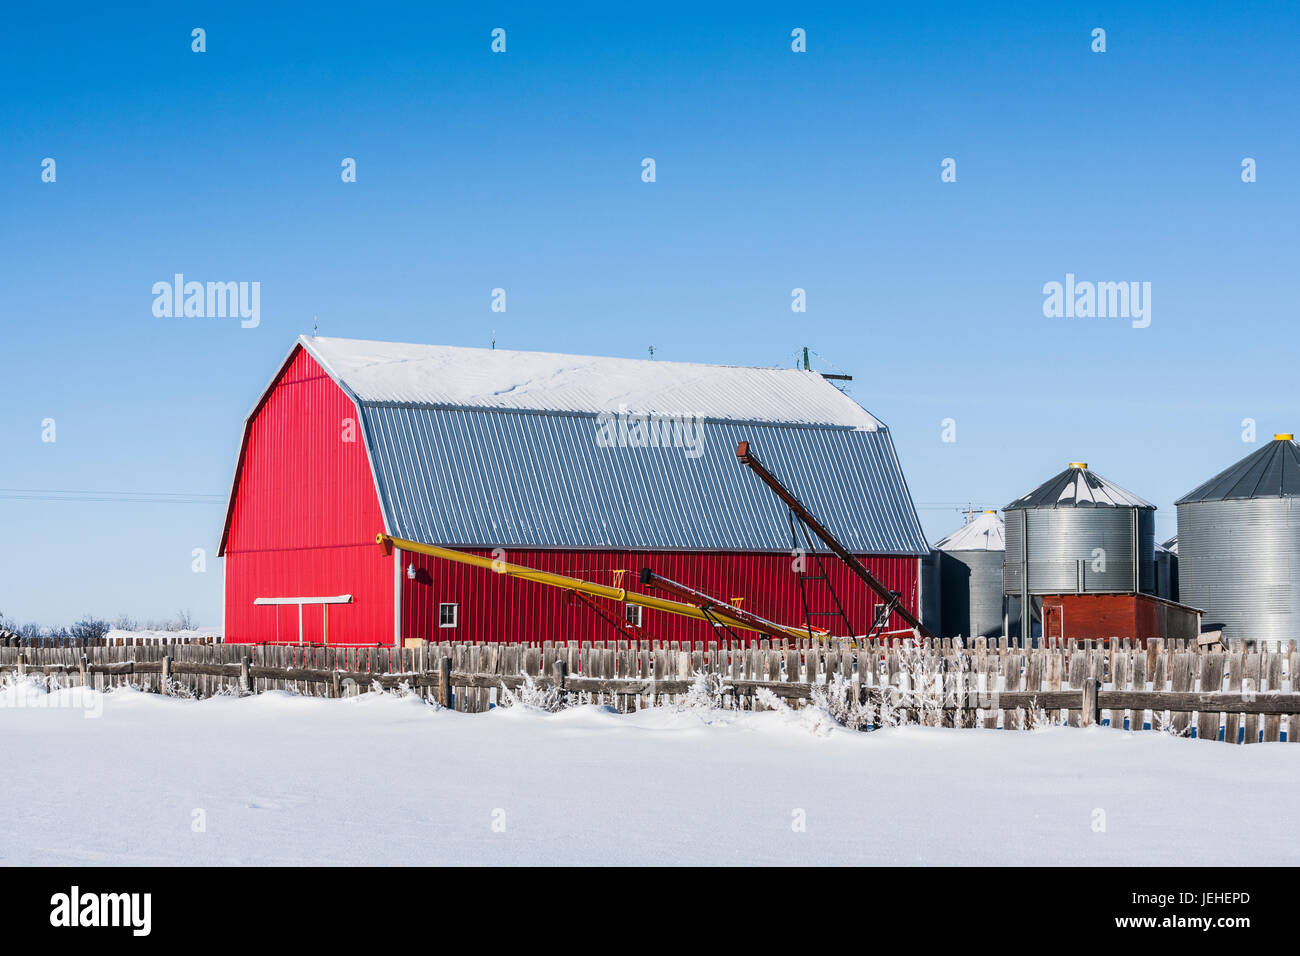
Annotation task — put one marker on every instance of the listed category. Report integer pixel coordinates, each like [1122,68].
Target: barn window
[882,615]
[447,615]
[632,614]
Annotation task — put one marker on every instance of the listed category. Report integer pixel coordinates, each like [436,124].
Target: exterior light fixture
[410,570]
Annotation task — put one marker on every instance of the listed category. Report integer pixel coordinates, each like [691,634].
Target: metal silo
[1167,569]
[1077,533]
[970,568]
[1239,546]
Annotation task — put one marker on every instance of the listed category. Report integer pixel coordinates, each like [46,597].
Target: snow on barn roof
[495,448]
[985,533]
[454,377]
[1077,487]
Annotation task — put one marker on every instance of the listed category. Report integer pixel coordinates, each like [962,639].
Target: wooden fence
[1234,695]
[10,639]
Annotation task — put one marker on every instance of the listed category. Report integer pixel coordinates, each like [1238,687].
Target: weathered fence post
[166,674]
[561,671]
[83,666]
[1090,712]
[22,663]
[336,684]
[245,674]
[444,683]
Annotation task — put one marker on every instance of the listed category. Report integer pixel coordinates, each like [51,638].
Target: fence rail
[1236,695]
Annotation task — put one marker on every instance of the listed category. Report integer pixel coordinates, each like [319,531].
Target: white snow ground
[281,779]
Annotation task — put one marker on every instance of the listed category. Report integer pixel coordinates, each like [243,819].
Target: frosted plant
[765,697]
[179,689]
[835,699]
[887,712]
[708,692]
[1036,717]
[1161,724]
[920,690]
[530,696]
[958,698]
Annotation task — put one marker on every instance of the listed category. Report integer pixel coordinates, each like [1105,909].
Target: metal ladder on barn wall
[821,576]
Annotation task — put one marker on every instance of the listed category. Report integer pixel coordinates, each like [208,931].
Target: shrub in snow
[708,692]
[835,699]
[176,688]
[919,697]
[532,697]
[1036,717]
[1163,725]
[403,689]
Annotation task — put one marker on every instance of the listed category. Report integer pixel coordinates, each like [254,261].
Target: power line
[127,497]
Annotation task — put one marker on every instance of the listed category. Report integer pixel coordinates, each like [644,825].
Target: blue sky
[521,170]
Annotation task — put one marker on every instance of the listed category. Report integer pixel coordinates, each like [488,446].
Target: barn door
[1054,621]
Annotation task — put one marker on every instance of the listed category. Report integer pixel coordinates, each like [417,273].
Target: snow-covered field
[133,778]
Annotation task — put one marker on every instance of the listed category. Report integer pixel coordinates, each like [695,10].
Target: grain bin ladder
[892,602]
[713,615]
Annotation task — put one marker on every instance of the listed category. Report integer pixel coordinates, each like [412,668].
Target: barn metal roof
[521,479]
[472,460]
[985,533]
[1077,487]
[452,377]
[1271,472]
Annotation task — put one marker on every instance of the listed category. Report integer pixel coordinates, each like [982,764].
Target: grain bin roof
[1271,472]
[487,448]
[1077,487]
[985,533]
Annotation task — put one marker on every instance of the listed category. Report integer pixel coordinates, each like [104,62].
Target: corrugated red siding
[1103,616]
[494,607]
[305,517]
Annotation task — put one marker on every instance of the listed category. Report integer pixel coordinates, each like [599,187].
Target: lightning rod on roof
[651,350]
[313,326]
[807,367]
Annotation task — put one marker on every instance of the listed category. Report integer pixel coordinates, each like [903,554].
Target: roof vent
[1283,436]
[1078,464]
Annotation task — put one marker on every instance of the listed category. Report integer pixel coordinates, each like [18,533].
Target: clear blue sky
[775,170]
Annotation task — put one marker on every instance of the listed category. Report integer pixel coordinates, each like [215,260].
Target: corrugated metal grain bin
[1085,535]
[1167,569]
[1077,533]
[970,569]
[1239,546]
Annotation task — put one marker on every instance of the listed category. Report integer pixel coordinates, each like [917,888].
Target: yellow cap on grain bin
[1283,436]
[1078,464]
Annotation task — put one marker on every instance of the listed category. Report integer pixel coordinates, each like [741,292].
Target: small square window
[447,614]
[882,615]
[632,614]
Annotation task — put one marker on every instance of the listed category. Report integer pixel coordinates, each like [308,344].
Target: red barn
[589,467]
